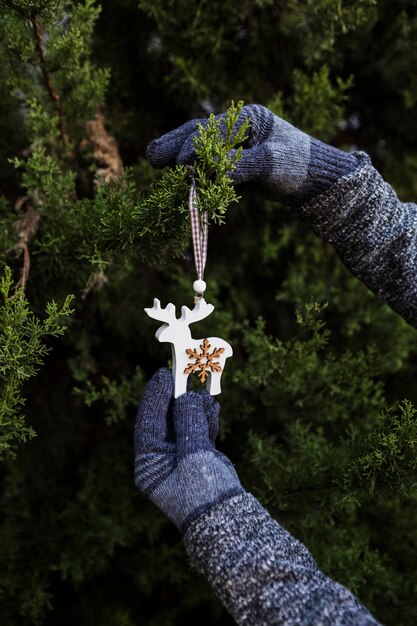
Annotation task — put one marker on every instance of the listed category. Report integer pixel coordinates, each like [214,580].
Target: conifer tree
[318,403]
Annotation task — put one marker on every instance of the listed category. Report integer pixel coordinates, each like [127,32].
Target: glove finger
[190,424]
[163,151]
[153,429]
[186,154]
[212,410]
[262,122]
[255,165]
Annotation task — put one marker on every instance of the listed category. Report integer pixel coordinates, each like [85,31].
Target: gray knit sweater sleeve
[264,576]
[373,232]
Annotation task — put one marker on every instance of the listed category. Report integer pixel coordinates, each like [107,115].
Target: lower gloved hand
[286,161]
[176,462]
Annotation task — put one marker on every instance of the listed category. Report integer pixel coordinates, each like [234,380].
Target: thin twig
[27,228]
[24,272]
[96,281]
[47,77]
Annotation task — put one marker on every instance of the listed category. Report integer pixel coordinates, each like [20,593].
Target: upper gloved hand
[176,462]
[288,162]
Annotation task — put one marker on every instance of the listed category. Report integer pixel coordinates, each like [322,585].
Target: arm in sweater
[263,575]
[374,234]
[341,195]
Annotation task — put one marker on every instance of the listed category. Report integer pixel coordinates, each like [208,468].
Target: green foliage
[45,181]
[336,17]
[22,352]
[87,233]
[313,410]
[316,105]
[116,396]
[30,8]
[57,83]
[387,463]
[215,158]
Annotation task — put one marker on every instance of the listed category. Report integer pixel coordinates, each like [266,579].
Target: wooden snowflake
[205,361]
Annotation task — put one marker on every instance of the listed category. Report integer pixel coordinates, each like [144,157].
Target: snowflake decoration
[204,360]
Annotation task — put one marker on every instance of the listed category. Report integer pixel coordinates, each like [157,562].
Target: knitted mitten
[289,163]
[176,462]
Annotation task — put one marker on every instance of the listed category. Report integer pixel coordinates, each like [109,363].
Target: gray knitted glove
[176,462]
[289,163]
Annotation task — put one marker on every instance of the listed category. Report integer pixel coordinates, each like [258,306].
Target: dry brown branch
[47,77]
[97,280]
[26,227]
[105,150]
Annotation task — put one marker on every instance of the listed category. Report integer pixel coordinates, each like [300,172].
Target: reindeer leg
[180,385]
[180,379]
[213,384]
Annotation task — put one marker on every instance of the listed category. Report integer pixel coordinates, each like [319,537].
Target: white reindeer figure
[189,355]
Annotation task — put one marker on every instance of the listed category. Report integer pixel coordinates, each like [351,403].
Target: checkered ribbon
[199,231]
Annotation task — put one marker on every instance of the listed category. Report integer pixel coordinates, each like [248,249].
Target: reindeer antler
[199,312]
[166,315]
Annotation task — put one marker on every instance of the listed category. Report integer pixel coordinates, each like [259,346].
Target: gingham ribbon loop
[199,232]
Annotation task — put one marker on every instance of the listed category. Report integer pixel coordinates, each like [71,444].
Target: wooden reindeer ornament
[206,356]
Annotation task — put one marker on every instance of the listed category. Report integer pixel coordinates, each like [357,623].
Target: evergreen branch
[22,352]
[47,77]
[218,148]
[115,395]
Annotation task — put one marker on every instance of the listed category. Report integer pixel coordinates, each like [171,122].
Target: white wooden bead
[199,286]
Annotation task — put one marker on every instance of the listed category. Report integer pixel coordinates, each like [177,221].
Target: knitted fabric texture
[263,575]
[290,164]
[374,234]
[176,462]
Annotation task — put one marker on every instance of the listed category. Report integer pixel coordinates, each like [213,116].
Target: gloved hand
[176,462]
[289,163]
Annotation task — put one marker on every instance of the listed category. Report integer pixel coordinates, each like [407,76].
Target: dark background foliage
[317,408]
